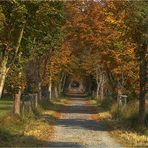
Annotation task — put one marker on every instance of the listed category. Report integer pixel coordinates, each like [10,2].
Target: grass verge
[6,105]
[34,129]
[122,125]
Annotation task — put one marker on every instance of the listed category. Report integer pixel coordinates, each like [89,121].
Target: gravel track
[76,128]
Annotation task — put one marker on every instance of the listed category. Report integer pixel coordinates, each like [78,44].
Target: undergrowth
[127,114]
[31,128]
[124,122]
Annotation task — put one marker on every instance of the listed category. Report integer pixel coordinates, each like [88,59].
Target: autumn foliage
[43,43]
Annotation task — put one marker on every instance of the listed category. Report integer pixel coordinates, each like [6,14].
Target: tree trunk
[3,69]
[60,84]
[17,102]
[102,87]
[3,74]
[36,100]
[39,92]
[97,93]
[59,90]
[89,87]
[63,84]
[112,84]
[50,88]
[98,84]
[18,45]
[20,38]
[143,81]
[56,91]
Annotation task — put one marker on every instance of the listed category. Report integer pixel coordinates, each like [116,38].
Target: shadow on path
[80,107]
[64,144]
[83,123]
[76,107]
[77,128]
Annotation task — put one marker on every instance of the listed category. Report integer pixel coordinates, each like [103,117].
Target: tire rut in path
[76,128]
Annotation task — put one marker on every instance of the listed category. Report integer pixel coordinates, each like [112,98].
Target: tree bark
[18,45]
[56,91]
[102,86]
[17,102]
[59,90]
[39,91]
[36,100]
[112,84]
[4,69]
[63,83]
[89,87]
[60,83]
[143,81]
[50,88]
[98,84]
[3,73]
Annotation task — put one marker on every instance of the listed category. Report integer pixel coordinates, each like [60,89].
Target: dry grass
[42,128]
[118,129]
[31,131]
[130,138]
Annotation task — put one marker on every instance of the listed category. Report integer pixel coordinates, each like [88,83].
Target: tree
[12,29]
[138,27]
[35,41]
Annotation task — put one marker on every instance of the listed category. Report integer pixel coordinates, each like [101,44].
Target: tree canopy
[42,43]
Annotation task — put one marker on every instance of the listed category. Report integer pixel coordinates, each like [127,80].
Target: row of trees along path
[43,42]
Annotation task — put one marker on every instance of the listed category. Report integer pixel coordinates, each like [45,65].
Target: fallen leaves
[41,129]
[101,116]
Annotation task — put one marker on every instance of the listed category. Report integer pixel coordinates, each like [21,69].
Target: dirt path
[76,128]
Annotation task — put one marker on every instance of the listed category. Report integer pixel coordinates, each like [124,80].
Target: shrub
[116,113]
[106,103]
[129,114]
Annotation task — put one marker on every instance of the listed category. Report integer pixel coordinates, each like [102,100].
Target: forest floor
[76,127]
